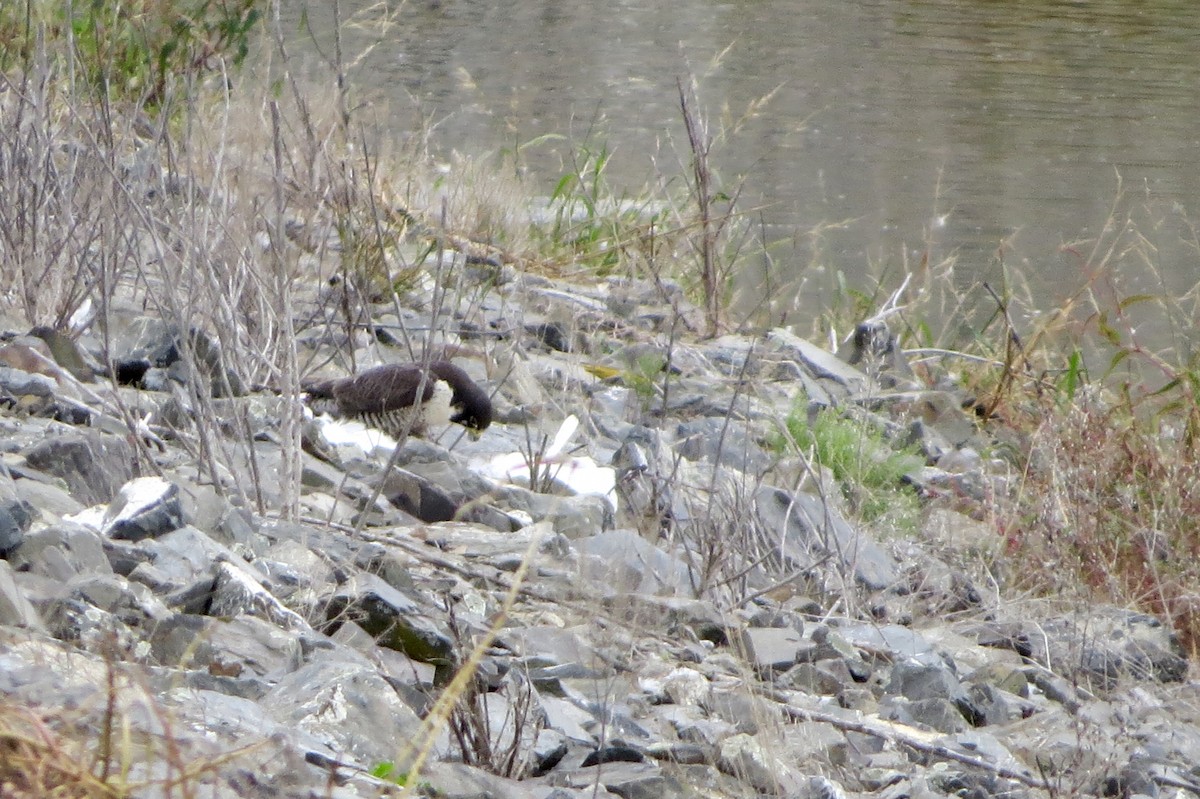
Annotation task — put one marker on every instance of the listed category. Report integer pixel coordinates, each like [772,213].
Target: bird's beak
[474,434]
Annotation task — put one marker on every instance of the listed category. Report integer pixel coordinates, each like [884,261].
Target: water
[993,131]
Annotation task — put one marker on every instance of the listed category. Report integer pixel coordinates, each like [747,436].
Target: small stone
[15,609]
[16,517]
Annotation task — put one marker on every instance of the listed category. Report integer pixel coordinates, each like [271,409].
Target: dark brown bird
[405,398]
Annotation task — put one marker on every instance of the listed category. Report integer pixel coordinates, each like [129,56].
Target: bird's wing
[382,389]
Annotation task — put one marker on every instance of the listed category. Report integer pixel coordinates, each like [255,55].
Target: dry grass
[227,206]
[1099,427]
[37,762]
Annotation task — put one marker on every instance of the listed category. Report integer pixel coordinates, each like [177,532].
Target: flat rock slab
[773,649]
[812,530]
[93,466]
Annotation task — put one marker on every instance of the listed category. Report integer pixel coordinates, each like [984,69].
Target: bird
[404,398]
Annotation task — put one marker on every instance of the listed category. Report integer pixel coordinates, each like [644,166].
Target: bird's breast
[413,419]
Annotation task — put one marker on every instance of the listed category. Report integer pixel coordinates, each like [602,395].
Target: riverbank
[690,555]
[712,611]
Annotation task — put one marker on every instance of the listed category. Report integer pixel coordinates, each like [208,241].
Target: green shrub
[868,470]
[130,49]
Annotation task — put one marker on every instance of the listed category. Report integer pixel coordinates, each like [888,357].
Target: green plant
[131,49]
[388,771]
[1072,378]
[868,470]
[645,376]
[588,223]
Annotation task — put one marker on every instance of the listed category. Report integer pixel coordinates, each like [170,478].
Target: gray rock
[281,756]
[679,617]
[811,531]
[729,443]
[93,466]
[15,609]
[820,788]
[146,507]
[918,682]
[686,687]
[573,516]
[1057,689]
[831,645]
[760,764]
[348,707]
[747,713]
[237,591]
[103,612]
[183,563]
[892,642]
[573,722]
[459,781]
[295,573]
[8,486]
[934,713]
[621,560]
[125,556]
[628,780]
[19,383]
[62,551]
[394,566]
[237,647]
[47,498]
[772,650]
[825,677]
[433,502]
[706,734]
[820,363]
[1007,677]
[812,742]
[1108,643]
[548,751]
[163,345]
[334,547]
[986,746]
[16,517]
[995,706]
[550,646]
[224,522]
[130,602]
[395,621]
[915,681]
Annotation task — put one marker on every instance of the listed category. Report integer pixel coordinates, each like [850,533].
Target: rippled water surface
[988,128]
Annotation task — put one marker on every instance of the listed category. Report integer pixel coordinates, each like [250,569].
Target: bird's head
[470,405]
[473,412]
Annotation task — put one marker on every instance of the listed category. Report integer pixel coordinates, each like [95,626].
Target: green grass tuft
[868,470]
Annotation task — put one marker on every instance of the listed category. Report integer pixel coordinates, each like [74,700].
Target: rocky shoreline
[661,603]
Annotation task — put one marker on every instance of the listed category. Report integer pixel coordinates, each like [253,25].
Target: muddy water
[993,131]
